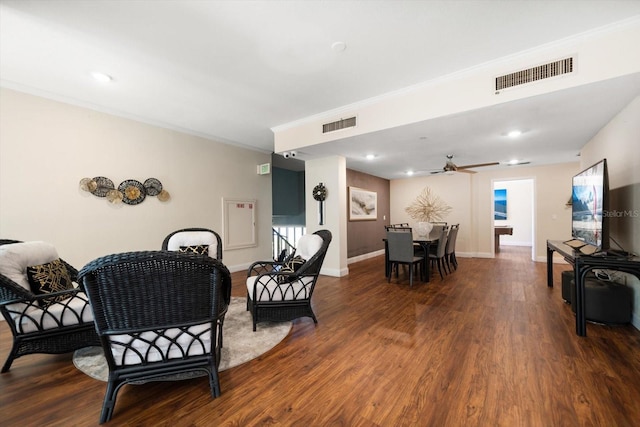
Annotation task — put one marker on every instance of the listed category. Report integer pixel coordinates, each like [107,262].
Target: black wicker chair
[159,315]
[277,296]
[53,323]
[192,237]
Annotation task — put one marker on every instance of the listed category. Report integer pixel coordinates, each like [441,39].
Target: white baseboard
[239,267]
[334,272]
[365,256]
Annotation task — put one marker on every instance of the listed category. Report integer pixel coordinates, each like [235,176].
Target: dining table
[425,241]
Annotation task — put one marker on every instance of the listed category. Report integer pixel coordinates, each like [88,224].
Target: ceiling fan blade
[465,171]
[478,165]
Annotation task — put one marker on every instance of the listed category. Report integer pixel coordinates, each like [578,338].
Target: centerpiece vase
[424,228]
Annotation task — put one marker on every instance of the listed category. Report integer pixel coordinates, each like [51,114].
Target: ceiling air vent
[540,72]
[340,124]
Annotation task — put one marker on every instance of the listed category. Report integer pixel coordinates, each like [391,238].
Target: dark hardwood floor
[490,345]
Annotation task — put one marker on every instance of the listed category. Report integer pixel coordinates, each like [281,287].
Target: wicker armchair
[51,323]
[276,295]
[193,238]
[159,315]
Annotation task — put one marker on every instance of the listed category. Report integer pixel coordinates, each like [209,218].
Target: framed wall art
[363,204]
[500,200]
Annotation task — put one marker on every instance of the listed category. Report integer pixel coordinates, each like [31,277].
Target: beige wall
[519,212]
[619,143]
[471,197]
[46,147]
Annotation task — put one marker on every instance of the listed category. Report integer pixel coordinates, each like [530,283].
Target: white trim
[365,256]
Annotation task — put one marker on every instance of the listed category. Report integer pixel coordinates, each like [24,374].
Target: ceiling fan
[449,166]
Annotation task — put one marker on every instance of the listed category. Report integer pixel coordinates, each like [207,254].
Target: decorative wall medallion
[133,192]
[103,185]
[152,186]
[164,196]
[115,196]
[130,191]
[320,194]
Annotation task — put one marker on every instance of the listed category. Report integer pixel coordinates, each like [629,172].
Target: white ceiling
[232,70]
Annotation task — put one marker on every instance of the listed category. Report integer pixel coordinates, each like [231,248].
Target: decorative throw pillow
[196,249]
[290,266]
[50,277]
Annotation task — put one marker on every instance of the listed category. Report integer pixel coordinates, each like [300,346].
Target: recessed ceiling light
[371,156]
[514,134]
[101,77]
[339,46]
[409,173]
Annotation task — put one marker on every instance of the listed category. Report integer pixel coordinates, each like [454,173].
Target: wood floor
[490,345]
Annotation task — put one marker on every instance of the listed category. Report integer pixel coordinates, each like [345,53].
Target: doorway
[514,222]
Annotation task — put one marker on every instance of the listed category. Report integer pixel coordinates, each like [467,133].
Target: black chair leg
[12,356]
[411,275]
[440,268]
[109,402]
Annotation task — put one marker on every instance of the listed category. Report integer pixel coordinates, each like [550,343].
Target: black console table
[582,265]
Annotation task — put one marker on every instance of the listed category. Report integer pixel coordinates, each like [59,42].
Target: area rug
[241,344]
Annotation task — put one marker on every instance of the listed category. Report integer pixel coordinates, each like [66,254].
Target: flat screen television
[589,206]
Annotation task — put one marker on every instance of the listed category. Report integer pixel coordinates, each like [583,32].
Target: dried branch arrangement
[428,207]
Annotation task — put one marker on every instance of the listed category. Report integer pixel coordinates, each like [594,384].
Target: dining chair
[439,255]
[449,252]
[401,252]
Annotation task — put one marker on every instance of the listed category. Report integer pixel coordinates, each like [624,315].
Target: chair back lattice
[146,290]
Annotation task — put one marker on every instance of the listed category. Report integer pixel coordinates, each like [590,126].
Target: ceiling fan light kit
[450,167]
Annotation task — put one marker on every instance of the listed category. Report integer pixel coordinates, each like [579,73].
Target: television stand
[583,264]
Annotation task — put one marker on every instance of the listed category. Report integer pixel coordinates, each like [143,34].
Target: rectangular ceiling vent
[540,72]
[340,124]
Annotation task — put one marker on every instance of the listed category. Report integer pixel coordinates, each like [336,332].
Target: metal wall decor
[320,194]
[130,191]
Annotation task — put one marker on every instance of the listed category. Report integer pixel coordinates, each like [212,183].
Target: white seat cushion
[194,238]
[267,286]
[138,349]
[61,313]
